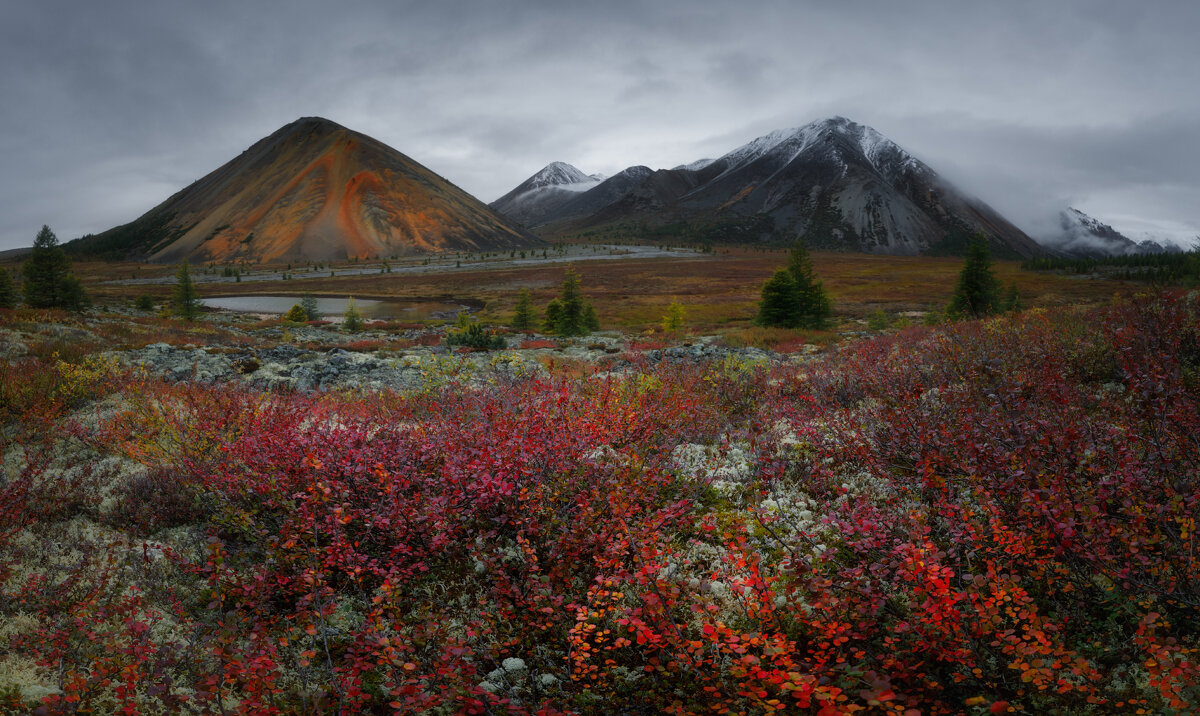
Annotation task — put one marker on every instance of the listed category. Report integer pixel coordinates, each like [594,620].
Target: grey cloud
[110,107]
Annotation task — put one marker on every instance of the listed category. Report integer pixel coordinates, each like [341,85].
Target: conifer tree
[553,317]
[185,299]
[813,307]
[675,317]
[523,319]
[978,292]
[1012,299]
[8,294]
[571,321]
[590,320]
[295,314]
[48,279]
[780,298]
[309,303]
[352,320]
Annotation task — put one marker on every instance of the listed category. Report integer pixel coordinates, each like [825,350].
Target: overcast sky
[107,108]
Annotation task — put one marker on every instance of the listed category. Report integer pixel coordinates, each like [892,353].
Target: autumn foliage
[988,517]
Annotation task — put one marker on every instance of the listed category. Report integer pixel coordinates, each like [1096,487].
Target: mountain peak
[838,137]
[312,190]
[1084,236]
[551,186]
[556,174]
[311,125]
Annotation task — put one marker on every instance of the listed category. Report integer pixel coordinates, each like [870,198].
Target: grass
[720,291]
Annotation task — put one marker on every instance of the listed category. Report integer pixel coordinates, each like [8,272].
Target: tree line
[1174,267]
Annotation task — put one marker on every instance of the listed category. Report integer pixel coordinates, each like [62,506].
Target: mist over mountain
[1081,236]
[543,193]
[835,183]
[312,191]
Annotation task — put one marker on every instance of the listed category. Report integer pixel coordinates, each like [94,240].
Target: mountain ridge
[311,190]
[1084,236]
[835,183]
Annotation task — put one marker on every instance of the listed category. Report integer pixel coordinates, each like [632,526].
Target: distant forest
[1174,268]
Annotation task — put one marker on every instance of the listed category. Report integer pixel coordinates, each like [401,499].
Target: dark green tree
[813,307]
[185,299]
[553,317]
[978,292]
[573,319]
[590,320]
[1012,299]
[48,279]
[309,303]
[74,298]
[8,294]
[352,320]
[523,319]
[780,301]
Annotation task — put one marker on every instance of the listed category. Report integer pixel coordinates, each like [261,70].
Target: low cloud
[111,107]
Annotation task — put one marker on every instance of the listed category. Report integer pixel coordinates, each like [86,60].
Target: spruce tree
[73,297]
[572,320]
[978,292]
[780,301]
[523,319]
[352,320]
[8,294]
[553,317]
[1012,299]
[309,303]
[48,279]
[813,305]
[185,299]
[590,320]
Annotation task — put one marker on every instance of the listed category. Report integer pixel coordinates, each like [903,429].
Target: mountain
[312,191]
[836,183]
[1081,236]
[544,192]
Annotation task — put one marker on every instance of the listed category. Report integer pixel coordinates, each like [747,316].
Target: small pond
[332,308]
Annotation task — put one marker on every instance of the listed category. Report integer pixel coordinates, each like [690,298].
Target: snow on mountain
[558,174]
[542,193]
[1083,236]
[788,144]
[694,166]
[834,182]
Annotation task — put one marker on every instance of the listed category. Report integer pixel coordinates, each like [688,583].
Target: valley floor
[244,517]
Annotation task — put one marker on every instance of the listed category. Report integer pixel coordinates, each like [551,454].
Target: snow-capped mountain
[1083,236]
[542,193]
[696,165]
[835,183]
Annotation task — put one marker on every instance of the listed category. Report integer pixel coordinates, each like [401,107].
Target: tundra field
[242,515]
[720,289]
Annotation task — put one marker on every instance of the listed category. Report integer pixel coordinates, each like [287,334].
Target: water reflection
[333,308]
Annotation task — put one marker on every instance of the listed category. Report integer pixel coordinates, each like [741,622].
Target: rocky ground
[275,356]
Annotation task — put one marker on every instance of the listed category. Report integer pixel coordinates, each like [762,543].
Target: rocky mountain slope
[544,193]
[836,183]
[312,191]
[1082,236]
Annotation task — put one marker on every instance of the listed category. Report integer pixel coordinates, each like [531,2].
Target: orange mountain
[312,191]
